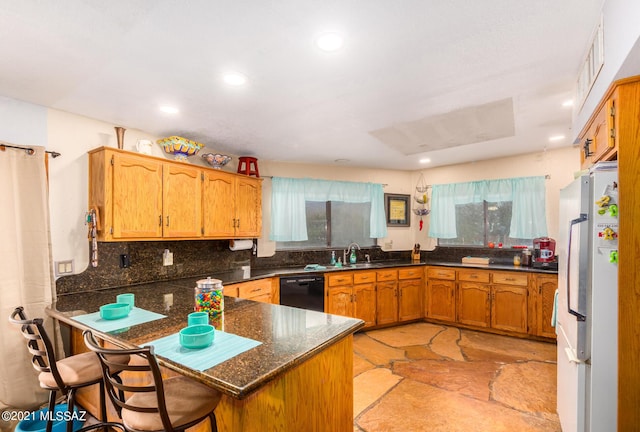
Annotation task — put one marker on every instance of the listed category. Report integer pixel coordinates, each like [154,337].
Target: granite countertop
[237,276]
[288,336]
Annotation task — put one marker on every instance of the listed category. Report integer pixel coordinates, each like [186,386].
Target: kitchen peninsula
[300,376]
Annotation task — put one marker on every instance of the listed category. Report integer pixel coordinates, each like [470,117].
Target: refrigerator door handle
[578,315]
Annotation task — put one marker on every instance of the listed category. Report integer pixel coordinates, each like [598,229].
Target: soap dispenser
[352,257]
[333,258]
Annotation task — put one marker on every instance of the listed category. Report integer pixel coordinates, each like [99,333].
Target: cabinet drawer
[441,273]
[364,277]
[254,288]
[386,275]
[410,273]
[510,278]
[340,279]
[473,275]
[230,290]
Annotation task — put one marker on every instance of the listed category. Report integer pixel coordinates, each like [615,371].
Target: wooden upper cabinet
[218,204]
[181,201]
[232,205]
[248,207]
[140,197]
[131,204]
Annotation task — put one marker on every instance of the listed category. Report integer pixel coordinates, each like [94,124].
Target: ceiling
[453,81]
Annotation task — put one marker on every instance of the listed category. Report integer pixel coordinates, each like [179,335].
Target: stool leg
[103,407]
[52,405]
[70,407]
[255,168]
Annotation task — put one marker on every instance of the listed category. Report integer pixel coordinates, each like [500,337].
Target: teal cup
[197,318]
[127,298]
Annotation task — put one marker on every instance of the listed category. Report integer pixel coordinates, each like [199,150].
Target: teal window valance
[288,216]
[527,194]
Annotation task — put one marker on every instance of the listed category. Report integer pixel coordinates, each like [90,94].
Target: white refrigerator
[587,302]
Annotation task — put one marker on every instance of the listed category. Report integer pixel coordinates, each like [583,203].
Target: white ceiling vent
[464,126]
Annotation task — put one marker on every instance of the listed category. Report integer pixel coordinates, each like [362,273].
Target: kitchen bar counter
[299,378]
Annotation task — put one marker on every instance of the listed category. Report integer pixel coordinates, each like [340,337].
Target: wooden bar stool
[248,165]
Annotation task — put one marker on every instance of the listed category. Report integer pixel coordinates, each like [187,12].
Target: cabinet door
[474,306]
[137,197]
[440,300]
[248,207]
[364,305]
[181,200]
[387,302]
[410,301]
[218,204]
[546,288]
[339,301]
[509,308]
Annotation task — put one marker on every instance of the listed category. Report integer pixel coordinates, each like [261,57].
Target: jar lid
[209,283]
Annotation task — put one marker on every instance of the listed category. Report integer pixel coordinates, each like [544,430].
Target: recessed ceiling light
[341,160]
[169,109]
[234,79]
[567,103]
[425,160]
[556,138]
[330,41]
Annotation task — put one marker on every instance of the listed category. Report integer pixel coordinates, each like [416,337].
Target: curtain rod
[270,177]
[29,150]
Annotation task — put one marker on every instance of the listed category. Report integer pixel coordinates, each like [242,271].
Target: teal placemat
[224,347]
[136,316]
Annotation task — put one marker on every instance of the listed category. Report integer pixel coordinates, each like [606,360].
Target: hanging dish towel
[554,314]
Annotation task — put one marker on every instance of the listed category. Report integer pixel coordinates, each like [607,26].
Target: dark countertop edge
[233,277]
[223,386]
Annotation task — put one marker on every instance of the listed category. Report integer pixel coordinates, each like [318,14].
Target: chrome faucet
[346,251]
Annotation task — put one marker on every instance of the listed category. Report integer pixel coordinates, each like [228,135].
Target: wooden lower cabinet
[387,302]
[410,299]
[509,302]
[509,308]
[543,288]
[263,290]
[364,303]
[474,304]
[340,301]
[352,294]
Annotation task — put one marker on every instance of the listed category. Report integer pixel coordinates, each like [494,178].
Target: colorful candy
[209,296]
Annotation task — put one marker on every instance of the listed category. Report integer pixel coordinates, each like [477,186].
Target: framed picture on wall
[396,207]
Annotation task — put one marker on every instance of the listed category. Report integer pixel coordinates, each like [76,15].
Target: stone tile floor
[427,377]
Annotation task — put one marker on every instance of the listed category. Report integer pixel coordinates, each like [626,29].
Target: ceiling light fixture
[234,79]
[169,109]
[425,160]
[556,138]
[567,103]
[330,41]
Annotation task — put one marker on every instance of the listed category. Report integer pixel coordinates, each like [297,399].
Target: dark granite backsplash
[206,257]
[190,259]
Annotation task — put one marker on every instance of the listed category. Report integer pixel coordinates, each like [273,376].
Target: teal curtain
[527,194]
[288,215]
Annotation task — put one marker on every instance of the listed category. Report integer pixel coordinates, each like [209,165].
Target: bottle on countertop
[333,258]
[352,257]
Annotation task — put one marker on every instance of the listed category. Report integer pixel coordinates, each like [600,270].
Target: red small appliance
[544,250]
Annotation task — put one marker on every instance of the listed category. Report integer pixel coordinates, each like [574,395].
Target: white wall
[621,29]
[73,136]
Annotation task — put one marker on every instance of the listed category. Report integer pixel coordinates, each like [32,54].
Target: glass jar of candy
[209,296]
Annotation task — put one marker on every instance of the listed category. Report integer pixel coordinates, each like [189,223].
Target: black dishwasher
[306,292]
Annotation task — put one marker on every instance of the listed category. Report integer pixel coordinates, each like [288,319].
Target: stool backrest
[109,359]
[38,344]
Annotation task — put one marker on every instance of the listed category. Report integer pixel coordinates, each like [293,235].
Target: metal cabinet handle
[160,220]
[167,220]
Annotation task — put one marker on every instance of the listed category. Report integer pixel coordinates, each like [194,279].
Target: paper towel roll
[236,245]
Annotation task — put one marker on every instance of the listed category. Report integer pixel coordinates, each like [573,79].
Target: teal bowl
[114,311]
[197,336]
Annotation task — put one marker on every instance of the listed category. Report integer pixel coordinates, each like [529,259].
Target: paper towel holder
[236,245]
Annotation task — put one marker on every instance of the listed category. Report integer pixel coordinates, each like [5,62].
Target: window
[478,224]
[334,224]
